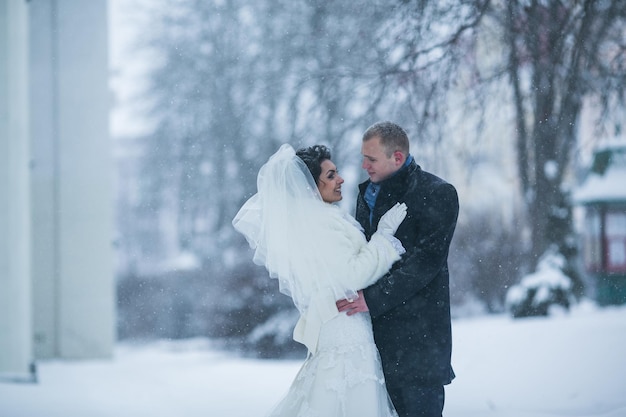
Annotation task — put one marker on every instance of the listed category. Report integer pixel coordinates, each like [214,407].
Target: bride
[319,255]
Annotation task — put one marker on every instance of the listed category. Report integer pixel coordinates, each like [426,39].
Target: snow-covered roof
[606,181]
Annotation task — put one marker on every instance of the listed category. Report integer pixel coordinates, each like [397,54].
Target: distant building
[56,207]
[603,196]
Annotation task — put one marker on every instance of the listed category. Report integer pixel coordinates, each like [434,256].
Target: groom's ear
[399,158]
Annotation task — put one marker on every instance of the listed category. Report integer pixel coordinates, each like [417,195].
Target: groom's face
[378,165]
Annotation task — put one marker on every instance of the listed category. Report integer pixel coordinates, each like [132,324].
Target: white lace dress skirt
[344,378]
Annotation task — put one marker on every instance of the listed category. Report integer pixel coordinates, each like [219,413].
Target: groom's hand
[352,307]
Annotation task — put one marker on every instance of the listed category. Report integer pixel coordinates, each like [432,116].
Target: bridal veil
[287,224]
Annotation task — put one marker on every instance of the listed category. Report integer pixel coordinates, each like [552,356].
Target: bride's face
[329,182]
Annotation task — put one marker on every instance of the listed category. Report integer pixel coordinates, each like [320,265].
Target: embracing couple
[372,292]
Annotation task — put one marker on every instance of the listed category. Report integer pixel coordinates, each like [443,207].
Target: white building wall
[16,353]
[71,189]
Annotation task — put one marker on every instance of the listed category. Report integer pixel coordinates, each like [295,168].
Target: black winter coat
[410,306]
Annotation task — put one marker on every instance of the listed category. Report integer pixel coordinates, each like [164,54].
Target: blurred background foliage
[491,94]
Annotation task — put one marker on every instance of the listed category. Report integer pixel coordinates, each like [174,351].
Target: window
[592,244]
[615,232]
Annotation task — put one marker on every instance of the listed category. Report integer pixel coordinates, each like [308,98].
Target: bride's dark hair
[313,156]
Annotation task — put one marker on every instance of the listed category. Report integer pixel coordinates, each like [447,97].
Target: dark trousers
[417,401]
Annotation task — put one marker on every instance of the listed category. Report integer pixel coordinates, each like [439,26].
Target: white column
[72,216]
[15,298]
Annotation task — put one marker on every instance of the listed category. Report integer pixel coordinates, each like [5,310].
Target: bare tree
[556,55]
[560,52]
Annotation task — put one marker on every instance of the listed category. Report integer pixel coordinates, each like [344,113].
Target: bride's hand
[391,220]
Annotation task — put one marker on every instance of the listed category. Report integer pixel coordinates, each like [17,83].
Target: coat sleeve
[426,255]
[348,262]
[358,263]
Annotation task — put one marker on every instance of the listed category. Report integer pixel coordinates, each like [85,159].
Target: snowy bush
[538,292]
[484,261]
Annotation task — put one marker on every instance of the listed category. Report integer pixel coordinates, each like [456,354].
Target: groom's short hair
[392,137]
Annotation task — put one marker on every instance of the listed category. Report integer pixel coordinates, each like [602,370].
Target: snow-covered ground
[566,365]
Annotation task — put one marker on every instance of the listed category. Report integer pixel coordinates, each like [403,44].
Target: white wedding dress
[343,378]
[319,255]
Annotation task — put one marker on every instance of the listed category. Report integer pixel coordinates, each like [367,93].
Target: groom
[410,306]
